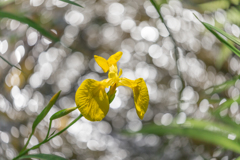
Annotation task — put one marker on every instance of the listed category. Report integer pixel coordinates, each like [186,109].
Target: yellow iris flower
[93,101]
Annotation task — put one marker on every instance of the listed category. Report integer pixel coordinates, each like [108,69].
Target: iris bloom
[93,101]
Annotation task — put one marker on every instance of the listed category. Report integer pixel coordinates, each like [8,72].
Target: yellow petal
[126,82]
[140,93]
[120,72]
[141,98]
[103,63]
[92,100]
[113,59]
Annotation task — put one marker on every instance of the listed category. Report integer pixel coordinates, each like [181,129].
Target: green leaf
[226,120]
[222,87]
[52,133]
[206,131]
[30,23]
[45,111]
[212,126]
[226,105]
[232,38]
[213,30]
[62,113]
[158,3]
[71,2]
[9,63]
[43,156]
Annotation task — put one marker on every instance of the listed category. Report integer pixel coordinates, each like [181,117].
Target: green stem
[48,139]
[66,127]
[175,50]
[50,124]
[27,143]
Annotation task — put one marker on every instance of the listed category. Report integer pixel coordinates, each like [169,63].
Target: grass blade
[30,23]
[229,45]
[232,38]
[226,105]
[41,116]
[226,120]
[71,2]
[201,130]
[222,87]
[45,111]
[43,157]
[9,63]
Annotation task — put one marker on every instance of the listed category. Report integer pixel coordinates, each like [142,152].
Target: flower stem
[50,124]
[48,138]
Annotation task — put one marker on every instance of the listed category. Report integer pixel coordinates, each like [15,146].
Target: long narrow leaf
[222,87]
[45,111]
[226,105]
[232,38]
[212,126]
[62,113]
[230,46]
[226,120]
[30,23]
[196,131]
[43,157]
[71,2]
[9,63]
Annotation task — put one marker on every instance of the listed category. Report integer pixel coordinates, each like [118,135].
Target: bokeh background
[103,27]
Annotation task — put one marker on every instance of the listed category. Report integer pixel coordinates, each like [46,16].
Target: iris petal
[92,100]
[113,59]
[140,93]
[103,63]
[141,98]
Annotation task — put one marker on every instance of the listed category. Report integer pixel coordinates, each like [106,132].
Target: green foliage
[9,63]
[71,2]
[45,111]
[213,30]
[158,3]
[226,104]
[230,37]
[222,87]
[43,157]
[30,23]
[62,113]
[41,116]
[206,131]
